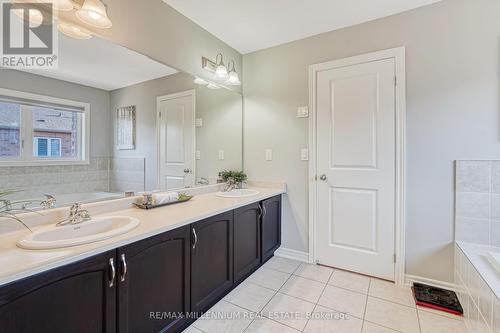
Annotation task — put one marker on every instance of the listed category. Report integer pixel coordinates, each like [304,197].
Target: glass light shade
[63,5]
[212,86]
[221,72]
[233,79]
[74,31]
[199,80]
[93,12]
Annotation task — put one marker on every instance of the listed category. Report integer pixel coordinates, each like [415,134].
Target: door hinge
[394,258]
[396,81]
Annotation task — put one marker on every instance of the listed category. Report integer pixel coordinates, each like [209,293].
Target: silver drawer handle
[111,282]
[124,265]
[265,211]
[261,212]
[195,238]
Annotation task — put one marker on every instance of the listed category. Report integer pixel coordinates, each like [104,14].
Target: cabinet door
[78,298]
[211,260]
[246,240]
[153,283]
[271,226]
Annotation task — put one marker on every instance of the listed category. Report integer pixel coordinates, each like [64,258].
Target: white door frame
[192,93]
[398,54]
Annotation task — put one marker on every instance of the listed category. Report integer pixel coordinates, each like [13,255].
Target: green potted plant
[238,177]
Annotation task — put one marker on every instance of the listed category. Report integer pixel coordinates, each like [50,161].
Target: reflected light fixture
[233,78]
[221,70]
[74,31]
[35,16]
[93,12]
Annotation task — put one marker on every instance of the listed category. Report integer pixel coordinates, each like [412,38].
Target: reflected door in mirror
[176,140]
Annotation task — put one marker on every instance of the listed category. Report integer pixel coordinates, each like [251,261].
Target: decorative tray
[183,199]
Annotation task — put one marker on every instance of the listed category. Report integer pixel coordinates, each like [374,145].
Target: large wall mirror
[109,120]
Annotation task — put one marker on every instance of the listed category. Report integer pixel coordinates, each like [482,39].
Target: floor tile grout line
[384,326]
[317,302]
[366,305]
[418,320]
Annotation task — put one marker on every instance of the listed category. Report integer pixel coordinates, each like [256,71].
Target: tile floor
[277,297]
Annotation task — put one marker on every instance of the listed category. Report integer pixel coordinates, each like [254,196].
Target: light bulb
[221,72]
[233,79]
[93,12]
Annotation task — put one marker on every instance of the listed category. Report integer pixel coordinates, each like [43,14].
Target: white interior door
[176,141]
[356,159]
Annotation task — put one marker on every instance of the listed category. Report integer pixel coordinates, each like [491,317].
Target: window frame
[83,157]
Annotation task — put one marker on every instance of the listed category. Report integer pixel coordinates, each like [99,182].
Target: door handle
[124,267]
[195,238]
[111,282]
[323,177]
[186,170]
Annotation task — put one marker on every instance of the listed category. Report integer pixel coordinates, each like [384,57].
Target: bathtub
[494,259]
[86,197]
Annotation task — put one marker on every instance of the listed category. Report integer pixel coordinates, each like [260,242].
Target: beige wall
[452,113]
[143,96]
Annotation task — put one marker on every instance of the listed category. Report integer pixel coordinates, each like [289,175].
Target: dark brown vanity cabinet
[211,260]
[147,286]
[153,283]
[271,227]
[246,240]
[77,298]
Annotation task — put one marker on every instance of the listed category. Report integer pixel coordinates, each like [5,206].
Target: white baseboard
[409,279]
[292,254]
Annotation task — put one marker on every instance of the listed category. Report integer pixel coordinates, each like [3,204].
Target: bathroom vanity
[149,285]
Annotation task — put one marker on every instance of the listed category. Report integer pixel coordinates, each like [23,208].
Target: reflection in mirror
[107,121]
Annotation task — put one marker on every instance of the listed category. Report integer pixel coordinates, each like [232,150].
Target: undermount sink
[237,193]
[94,230]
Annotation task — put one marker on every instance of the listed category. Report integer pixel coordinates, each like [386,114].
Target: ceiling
[251,25]
[101,64]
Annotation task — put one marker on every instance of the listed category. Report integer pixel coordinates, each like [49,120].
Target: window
[40,130]
[47,147]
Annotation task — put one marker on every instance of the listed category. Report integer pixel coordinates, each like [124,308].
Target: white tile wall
[481,306]
[477,210]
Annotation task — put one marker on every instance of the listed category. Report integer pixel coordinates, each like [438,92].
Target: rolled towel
[166,197]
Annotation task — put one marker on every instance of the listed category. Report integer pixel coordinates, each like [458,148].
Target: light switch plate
[197,154]
[304,154]
[198,122]
[269,154]
[221,155]
[303,112]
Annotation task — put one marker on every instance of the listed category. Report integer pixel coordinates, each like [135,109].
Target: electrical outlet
[198,122]
[221,155]
[269,154]
[304,154]
[303,112]
[197,155]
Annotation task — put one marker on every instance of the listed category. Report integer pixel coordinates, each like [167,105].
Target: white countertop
[17,263]
[477,255]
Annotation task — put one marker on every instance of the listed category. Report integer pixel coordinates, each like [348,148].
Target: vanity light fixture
[93,12]
[233,78]
[74,31]
[227,75]
[221,70]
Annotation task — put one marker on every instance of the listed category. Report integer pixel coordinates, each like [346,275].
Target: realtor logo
[29,36]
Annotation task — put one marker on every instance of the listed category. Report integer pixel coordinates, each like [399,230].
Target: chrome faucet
[49,202]
[77,215]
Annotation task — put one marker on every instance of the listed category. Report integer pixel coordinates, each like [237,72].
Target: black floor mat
[437,298]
